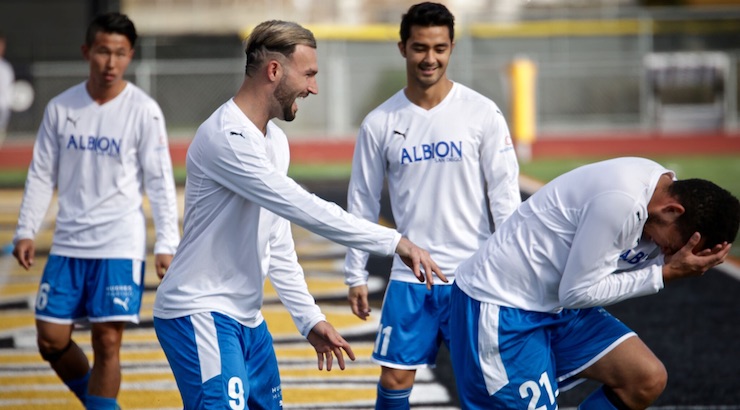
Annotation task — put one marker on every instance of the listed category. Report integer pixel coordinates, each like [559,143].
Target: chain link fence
[585,81]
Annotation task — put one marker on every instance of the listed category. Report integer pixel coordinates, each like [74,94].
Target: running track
[17,155]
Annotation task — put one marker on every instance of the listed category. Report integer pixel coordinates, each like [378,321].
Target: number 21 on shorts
[532,391]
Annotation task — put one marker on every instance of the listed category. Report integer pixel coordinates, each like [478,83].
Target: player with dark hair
[239,203]
[111,23]
[452,177]
[101,144]
[526,322]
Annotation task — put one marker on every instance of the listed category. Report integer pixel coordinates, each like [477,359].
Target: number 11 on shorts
[384,335]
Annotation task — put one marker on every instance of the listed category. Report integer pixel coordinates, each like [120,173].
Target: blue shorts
[219,363]
[510,358]
[99,290]
[413,323]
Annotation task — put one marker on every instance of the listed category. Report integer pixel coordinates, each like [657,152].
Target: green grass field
[724,170]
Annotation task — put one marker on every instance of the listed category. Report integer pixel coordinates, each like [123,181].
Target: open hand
[328,343]
[686,263]
[416,258]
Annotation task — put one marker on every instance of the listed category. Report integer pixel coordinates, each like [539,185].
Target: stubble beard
[285,99]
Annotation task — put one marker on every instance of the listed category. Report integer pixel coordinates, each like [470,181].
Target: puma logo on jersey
[121,302]
[403,134]
[237,133]
[72,120]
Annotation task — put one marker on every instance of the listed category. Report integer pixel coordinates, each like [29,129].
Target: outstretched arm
[329,343]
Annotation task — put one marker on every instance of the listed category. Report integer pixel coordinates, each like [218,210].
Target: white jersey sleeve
[500,169]
[7,78]
[41,179]
[159,182]
[606,227]
[365,188]
[240,165]
[287,277]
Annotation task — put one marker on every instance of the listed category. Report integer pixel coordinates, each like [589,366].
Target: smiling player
[452,176]
[239,203]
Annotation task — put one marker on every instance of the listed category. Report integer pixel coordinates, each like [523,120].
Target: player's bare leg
[52,340]
[397,379]
[394,388]
[632,372]
[65,357]
[105,380]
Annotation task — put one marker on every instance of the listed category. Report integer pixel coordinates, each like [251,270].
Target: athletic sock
[392,399]
[101,403]
[602,399]
[79,387]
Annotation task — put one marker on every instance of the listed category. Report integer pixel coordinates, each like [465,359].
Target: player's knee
[648,384]
[107,338]
[51,351]
[656,381]
[396,379]
[106,345]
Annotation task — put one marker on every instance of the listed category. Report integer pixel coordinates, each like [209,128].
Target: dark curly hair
[709,209]
[427,15]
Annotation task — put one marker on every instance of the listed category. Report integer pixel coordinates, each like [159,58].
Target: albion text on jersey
[101,145]
[442,151]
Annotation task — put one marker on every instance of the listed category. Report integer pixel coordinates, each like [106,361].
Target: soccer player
[452,176]
[7,77]
[239,203]
[101,143]
[525,316]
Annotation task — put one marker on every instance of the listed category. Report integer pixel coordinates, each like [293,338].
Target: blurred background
[598,66]
[578,80]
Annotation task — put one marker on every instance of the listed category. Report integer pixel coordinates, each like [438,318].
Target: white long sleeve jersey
[575,243]
[452,175]
[238,200]
[101,159]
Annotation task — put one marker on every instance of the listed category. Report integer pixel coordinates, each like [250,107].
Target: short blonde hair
[275,36]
